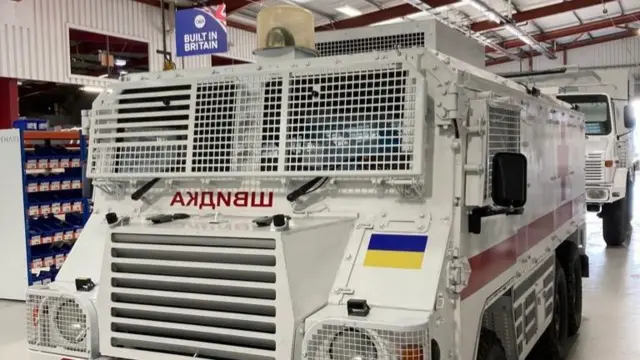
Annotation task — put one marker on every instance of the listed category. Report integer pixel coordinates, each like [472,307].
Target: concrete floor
[611,304]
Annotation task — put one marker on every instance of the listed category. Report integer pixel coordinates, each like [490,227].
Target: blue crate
[31,124]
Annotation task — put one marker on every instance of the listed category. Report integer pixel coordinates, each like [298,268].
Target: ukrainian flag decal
[396,251]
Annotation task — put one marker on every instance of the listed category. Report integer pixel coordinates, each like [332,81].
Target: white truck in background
[604,97]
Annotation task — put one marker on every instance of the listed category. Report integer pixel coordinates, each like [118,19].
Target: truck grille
[594,168]
[200,297]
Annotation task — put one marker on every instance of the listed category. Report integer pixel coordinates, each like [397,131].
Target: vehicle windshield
[595,109]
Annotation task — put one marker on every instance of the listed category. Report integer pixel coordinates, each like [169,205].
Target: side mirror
[629,117]
[509,179]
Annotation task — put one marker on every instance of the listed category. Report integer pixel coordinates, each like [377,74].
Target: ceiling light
[121,62]
[484,10]
[389,22]
[92,89]
[349,11]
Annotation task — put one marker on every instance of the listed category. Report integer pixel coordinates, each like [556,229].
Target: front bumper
[598,194]
[37,355]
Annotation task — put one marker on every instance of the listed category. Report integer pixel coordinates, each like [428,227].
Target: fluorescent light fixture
[419,15]
[121,62]
[475,5]
[493,17]
[92,89]
[389,22]
[349,11]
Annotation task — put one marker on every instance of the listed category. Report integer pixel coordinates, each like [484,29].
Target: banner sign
[201,31]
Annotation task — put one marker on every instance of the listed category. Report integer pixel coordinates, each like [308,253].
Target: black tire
[616,223]
[553,343]
[573,274]
[490,346]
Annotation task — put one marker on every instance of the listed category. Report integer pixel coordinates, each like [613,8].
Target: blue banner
[201,31]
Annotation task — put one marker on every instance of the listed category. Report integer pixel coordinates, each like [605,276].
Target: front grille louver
[203,297]
[594,168]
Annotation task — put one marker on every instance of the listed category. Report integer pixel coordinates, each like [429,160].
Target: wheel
[490,347]
[553,343]
[615,222]
[573,275]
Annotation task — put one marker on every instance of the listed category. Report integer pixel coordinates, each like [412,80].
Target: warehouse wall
[619,53]
[34,40]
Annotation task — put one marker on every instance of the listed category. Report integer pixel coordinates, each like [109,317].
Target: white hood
[597,144]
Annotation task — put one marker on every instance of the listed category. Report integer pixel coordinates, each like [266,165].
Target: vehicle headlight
[340,340]
[61,323]
[352,344]
[69,322]
[597,194]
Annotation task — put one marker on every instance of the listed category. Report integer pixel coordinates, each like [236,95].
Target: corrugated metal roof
[552,22]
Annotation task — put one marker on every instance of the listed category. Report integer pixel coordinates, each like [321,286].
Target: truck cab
[603,96]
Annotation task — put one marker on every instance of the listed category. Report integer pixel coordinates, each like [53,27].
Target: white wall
[624,52]
[34,40]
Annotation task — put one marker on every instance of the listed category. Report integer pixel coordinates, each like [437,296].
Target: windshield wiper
[306,188]
[138,194]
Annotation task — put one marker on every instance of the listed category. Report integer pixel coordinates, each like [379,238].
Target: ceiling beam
[573,30]
[574,45]
[235,5]
[97,38]
[407,9]
[382,15]
[232,5]
[94,48]
[540,12]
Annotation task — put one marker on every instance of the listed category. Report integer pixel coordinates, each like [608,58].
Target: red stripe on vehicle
[494,261]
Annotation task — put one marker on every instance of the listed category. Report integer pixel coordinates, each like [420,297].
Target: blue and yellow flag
[396,251]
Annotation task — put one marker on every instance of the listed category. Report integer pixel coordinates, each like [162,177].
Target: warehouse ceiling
[510,29]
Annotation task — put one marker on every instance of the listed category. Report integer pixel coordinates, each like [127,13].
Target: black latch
[111,218]
[84,284]
[358,307]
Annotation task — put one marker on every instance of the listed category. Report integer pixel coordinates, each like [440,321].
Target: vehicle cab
[607,146]
[603,96]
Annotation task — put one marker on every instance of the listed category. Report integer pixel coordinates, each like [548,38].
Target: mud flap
[584,262]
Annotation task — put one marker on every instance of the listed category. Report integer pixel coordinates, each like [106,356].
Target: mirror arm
[623,134]
[477,213]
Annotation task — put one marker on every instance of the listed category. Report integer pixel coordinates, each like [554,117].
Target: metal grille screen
[370,44]
[503,136]
[341,342]
[358,120]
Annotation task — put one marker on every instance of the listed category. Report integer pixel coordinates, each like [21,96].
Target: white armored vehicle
[603,96]
[384,205]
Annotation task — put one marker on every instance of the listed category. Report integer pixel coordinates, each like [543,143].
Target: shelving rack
[43,205]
